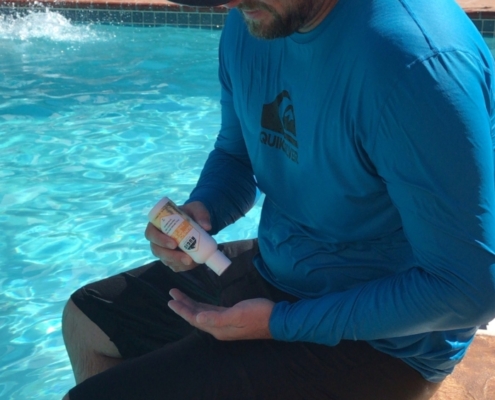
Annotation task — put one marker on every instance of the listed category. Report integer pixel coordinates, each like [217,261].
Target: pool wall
[146,13]
[151,13]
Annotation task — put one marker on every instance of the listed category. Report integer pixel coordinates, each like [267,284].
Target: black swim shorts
[167,359]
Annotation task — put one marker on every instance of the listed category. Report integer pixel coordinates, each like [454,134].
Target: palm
[247,319]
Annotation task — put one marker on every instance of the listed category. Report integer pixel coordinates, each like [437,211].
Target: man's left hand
[247,319]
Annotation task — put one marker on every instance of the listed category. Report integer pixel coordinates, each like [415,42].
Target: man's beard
[280,25]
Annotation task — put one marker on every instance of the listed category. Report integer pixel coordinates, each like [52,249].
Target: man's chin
[266,31]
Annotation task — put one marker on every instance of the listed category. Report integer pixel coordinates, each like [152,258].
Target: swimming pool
[491,44]
[97,123]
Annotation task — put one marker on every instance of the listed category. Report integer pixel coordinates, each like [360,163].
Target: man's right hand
[165,248]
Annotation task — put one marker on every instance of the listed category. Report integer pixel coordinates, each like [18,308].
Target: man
[369,125]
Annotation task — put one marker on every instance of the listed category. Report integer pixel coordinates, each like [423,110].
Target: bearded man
[369,126]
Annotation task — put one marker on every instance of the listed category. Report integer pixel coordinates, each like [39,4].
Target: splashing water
[45,24]
[96,124]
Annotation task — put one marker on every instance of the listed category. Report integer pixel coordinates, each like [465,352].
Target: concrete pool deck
[474,378]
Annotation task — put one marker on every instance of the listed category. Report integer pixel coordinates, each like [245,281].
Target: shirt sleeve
[227,185]
[434,149]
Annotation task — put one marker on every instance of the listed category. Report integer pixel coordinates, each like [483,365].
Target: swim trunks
[166,358]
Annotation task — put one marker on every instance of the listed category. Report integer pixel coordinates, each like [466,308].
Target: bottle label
[176,225]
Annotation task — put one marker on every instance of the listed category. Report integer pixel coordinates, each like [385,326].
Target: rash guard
[372,137]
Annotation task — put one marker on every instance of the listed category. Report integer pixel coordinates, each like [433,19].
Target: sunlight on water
[97,123]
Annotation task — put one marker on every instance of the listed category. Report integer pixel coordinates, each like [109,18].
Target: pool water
[491,44]
[97,123]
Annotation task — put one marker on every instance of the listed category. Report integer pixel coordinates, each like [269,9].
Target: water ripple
[92,136]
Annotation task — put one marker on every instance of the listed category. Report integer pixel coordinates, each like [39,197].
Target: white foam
[44,24]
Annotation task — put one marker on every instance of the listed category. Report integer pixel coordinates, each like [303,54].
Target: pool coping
[151,13]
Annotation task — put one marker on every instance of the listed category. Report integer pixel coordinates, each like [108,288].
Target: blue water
[491,44]
[97,123]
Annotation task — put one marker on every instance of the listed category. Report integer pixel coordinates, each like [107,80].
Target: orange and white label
[179,228]
[176,225]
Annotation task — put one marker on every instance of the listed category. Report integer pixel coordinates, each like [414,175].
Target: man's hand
[245,320]
[165,248]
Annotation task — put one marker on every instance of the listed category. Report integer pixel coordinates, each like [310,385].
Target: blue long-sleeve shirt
[372,137]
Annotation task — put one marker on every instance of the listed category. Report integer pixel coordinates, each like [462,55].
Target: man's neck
[325,9]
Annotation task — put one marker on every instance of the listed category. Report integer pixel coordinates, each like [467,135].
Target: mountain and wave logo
[278,124]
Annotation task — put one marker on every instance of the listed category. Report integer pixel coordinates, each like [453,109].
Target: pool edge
[151,13]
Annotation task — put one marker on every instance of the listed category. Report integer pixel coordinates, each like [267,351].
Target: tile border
[143,13]
[149,13]
[484,21]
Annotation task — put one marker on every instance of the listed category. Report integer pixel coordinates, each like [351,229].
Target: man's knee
[78,327]
[70,316]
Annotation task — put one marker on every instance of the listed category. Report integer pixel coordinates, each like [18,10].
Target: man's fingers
[182,310]
[176,294]
[183,305]
[210,318]
[156,236]
[176,260]
[165,247]
[197,314]
[199,213]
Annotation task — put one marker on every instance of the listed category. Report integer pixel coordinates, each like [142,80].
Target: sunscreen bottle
[191,238]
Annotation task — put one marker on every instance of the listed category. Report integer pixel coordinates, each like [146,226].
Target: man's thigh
[132,307]
[168,359]
[200,367]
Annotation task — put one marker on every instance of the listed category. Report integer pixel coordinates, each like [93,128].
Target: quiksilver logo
[279,126]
